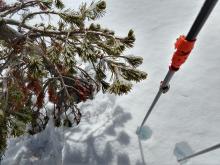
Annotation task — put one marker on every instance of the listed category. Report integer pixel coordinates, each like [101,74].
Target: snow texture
[189,112]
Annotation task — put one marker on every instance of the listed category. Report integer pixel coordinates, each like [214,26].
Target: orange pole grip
[183,50]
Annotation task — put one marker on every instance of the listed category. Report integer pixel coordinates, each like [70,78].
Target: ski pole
[201,152]
[183,46]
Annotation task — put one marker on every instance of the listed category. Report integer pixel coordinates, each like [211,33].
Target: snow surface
[188,114]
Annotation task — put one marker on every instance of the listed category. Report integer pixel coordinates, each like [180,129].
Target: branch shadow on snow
[98,148]
[43,148]
[97,141]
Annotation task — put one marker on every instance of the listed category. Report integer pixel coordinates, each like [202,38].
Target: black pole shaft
[193,32]
[201,152]
[201,19]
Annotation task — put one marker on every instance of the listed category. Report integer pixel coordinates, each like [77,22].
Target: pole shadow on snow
[141,152]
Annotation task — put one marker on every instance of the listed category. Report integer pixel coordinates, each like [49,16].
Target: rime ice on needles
[42,60]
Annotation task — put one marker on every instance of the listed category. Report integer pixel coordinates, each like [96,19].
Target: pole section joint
[183,50]
[164,88]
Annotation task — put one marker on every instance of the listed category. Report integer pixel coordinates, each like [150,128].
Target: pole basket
[144,132]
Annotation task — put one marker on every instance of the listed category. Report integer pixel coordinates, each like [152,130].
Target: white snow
[188,113]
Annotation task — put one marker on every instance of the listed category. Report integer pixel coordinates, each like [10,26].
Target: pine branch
[48,33]
[49,59]
[16,7]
